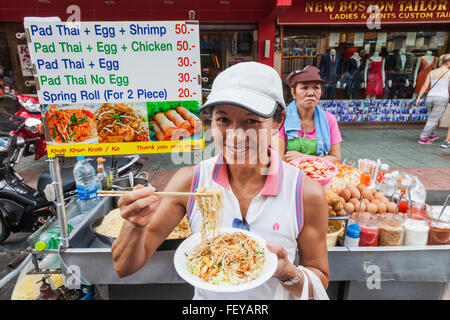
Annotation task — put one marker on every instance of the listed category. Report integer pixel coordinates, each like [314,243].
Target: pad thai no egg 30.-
[120,123]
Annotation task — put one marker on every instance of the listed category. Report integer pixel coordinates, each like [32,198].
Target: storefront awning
[122,10]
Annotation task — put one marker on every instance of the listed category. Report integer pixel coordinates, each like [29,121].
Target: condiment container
[416,230]
[352,236]
[368,223]
[439,233]
[391,229]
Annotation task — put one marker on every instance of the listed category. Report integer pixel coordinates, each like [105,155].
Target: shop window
[7,76]
[366,69]
[404,57]
[222,49]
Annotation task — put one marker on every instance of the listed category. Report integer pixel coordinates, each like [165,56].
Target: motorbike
[30,109]
[22,207]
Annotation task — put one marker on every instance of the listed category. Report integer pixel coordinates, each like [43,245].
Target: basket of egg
[372,201]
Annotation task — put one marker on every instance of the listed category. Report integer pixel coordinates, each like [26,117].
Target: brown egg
[349,207]
[361,187]
[355,192]
[372,208]
[367,194]
[382,208]
[375,201]
[373,191]
[365,201]
[379,195]
[362,207]
[385,200]
[353,201]
[391,207]
[346,194]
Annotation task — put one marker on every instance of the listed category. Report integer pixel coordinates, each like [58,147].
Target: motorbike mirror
[33,124]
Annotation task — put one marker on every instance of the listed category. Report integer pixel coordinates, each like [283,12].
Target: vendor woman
[308,130]
[261,193]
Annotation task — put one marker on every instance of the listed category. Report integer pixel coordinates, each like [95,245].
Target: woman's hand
[292,155]
[139,205]
[285,270]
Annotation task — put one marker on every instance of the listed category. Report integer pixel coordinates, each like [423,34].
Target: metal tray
[170,244]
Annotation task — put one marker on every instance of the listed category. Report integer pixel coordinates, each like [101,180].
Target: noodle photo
[120,122]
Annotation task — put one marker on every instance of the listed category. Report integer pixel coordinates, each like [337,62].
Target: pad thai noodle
[120,123]
[211,210]
[222,258]
[70,125]
[228,259]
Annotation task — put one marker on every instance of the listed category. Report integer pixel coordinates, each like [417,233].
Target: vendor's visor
[308,73]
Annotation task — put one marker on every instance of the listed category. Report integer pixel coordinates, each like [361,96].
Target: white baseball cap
[250,85]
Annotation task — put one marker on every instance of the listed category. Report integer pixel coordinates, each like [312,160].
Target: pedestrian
[437,98]
[446,142]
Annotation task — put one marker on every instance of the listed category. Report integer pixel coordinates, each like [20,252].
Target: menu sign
[118,87]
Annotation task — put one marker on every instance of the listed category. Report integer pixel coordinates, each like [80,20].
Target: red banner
[365,12]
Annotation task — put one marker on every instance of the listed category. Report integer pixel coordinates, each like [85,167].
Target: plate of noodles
[234,260]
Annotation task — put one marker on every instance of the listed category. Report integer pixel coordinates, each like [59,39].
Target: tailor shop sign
[358,12]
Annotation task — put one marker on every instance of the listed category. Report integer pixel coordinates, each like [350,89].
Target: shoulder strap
[438,79]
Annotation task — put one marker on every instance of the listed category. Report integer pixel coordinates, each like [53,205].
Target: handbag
[282,293]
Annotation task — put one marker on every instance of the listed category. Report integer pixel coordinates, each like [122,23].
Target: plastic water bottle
[50,239]
[84,175]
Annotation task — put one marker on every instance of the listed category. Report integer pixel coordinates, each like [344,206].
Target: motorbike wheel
[5,231]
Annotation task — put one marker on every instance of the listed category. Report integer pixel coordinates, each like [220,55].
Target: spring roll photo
[178,120]
[194,121]
[159,133]
[167,126]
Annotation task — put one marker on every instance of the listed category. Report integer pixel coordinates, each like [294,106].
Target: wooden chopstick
[113,193]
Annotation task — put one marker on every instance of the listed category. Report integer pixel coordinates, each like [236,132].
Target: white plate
[189,244]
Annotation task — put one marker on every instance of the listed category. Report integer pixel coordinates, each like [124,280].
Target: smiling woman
[247,107]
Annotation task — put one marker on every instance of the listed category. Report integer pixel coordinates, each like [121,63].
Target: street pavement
[396,147]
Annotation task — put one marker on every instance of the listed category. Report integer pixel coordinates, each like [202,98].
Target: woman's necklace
[308,126]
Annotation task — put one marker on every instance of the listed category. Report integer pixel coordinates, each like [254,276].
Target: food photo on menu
[122,122]
[71,124]
[174,120]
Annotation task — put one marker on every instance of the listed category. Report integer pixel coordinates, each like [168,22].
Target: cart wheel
[4,230]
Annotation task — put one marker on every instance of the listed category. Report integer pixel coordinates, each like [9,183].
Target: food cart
[355,272]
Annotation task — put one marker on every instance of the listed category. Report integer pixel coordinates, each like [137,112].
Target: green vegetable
[82,120]
[60,135]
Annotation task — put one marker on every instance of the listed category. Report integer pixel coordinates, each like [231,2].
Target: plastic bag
[417,190]
[319,291]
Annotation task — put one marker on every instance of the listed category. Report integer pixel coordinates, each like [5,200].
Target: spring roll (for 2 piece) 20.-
[159,133]
[171,131]
[194,121]
[167,126]
[178,120]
